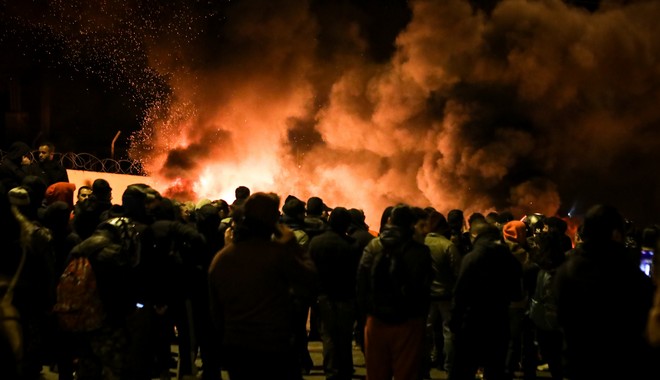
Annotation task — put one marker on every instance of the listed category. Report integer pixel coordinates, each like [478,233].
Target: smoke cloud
[534,106]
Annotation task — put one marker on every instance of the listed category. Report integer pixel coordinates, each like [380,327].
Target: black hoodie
[414,259]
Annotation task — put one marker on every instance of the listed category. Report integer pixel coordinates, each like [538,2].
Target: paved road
[317,372]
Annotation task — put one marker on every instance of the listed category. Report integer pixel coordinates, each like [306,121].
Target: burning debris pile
[524,107]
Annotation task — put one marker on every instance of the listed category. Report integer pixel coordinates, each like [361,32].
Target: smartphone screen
[646,261]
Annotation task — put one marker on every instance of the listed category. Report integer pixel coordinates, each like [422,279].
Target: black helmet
[535,223]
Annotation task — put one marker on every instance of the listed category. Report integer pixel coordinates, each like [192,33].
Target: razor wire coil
[89,162]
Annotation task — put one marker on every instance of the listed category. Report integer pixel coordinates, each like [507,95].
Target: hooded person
[393,282]
[90,213]
[61,191]
[488,282]
[251,282]
[241,194]
[515,236]
[336,258]
[134,203]
[294,218]
[603,302]
[16,164]
[316,220]
[101,190]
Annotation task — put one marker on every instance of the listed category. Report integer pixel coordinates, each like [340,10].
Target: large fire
[455,106]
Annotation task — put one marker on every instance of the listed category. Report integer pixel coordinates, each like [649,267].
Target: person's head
[437,223]
[60,191]
[550,252]
[603,223]
[316,207]
[456,221]
[83,193]
[421,226]
[404,218]
[223,208]
[207,218]
[515,231]
[46,151]
[339,220]
[477,215]
[101,190]
[19,153]
[358,219]
[242,192]
[260,215]
[164,210]
[478,227]
[556,223]
[385,217]
[134,202]
[492,218]
[294,208]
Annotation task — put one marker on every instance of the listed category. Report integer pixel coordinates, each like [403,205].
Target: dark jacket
[12,171]
[603,301]
[52,172]
[115,279]
[336,259]
[416,263]
[446,263]
[251,284]
[489,280]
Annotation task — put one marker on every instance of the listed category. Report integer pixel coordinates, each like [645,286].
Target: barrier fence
[89,162]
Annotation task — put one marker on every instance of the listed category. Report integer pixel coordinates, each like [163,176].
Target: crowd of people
[496,294]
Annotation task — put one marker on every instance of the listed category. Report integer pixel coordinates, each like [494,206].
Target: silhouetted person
[251,283]
[603,301]
[489,280]
[336,258]
[16,165]
[393,292]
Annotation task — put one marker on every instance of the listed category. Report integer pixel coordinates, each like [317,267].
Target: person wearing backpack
[98,294]
[393,283]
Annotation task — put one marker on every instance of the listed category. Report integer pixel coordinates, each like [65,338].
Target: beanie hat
[61,191]
[515,231]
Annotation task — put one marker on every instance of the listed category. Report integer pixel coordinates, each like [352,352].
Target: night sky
[530,106]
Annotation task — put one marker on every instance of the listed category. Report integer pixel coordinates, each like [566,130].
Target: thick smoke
[515,109]
[530,106]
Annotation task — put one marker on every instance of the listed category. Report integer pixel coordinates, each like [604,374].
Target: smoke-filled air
[528,106]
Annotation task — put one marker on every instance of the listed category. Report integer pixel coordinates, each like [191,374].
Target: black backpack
[80,306]
[389,283]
